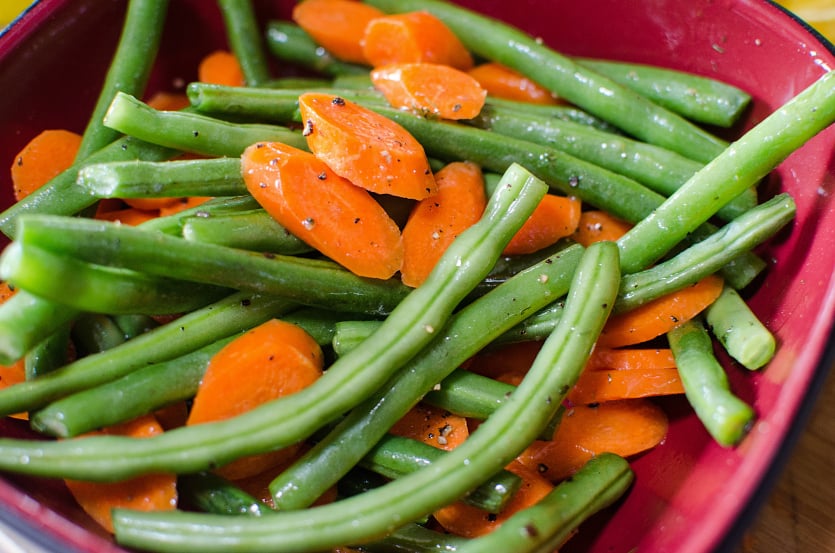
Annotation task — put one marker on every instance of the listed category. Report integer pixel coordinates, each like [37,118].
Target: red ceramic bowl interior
[690,495]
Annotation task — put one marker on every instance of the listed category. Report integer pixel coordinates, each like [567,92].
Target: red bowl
[690,495]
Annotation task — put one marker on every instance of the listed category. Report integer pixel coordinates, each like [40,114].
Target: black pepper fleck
[337,101]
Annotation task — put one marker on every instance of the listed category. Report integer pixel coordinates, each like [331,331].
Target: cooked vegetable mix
[420,295]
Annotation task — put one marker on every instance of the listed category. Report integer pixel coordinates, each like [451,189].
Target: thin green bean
[287,41]
[26,320]
[253,230]
[244,36]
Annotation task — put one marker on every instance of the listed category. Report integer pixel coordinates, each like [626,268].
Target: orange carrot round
[366,148]
[598,226]
[502,82]
[44,157]
[625,427]
[338,26]
[341,220]
[661,315]
[413,37]
[220,67]
[433,426]
[273,360]
[430,88]
[435,222]
[471,522]
[597,386]
[555,217]
[151,492]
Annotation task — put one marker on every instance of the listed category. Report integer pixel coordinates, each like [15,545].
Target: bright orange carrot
[152,492]
[661,315]
[220,67]
[430,88]
[273,360]
[182,203]
[365,147]
[42,158]
[631,359]
[432,426]
[128,216]
[471,522]
[555,217]
[502,82]
[625,427]
[598,226]
[337,26]
[341,220]
[413,37]
[597,386]
[435,222]
[168,101]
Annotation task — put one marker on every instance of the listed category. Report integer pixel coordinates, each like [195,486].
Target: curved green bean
[244,36]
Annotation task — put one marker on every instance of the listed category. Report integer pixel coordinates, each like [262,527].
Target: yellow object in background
[819,14]
[9,9]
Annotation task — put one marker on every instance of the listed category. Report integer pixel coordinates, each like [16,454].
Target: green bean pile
[691,196]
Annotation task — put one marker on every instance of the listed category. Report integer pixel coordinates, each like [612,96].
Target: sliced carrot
[128,216]
[599,226]
[625,427]
[273,360]
[661,315]
[220,67]
[597,386]
[413,37]
[341,220]
[168,101]
[471,522]
[555,217]
[434,222]
[365,147]
[631,359]
[433,426]
[42,158]
[501,81]
[338,26]
[151,492]
[430,88]
[181,204]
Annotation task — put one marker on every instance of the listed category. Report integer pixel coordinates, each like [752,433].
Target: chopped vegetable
[337,25]
[503,82]
[42,159]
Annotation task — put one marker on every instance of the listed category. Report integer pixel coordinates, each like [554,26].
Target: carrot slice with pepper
[501,81]
[365,147]
[42,158]
[430,88]
[435,222]
[626,427]
[220,67]
[338,26]
[272,360]
[598,226]
[555,217]
[413,37]
[150,492]
[341,220]
[471,522]
[433,426]
[597,386]
[661,315]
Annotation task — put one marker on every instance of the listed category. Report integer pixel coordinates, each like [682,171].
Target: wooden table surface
[800,514]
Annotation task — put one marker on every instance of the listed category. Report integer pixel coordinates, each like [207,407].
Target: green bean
[60,196]
[348,380]
[94,333]
[320,323]
[414,538]
[253,230]
[548,524]
[129,69]
[134,324]
[535,328]
[166,179]
[173,224]
[396,456]
[657,168]
[744,163]
[301,483]
[599,95]
[50,354]
[289,42]
[102,242]
[88,287]
[697,98]
[191,331]
[26,320]
[738,329]
[137,393]
[703,258]
[244,36]
[209,492]
[192,132]
[725,416]
[361,518]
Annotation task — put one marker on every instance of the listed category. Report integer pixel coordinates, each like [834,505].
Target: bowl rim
[52,532]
